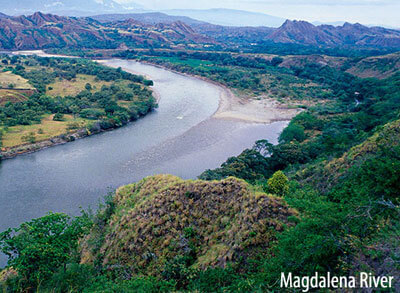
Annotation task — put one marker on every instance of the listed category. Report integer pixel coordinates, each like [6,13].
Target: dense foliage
[37,249]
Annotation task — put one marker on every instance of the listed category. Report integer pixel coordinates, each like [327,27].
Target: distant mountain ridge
[40,31]
[146,18]
[302,32]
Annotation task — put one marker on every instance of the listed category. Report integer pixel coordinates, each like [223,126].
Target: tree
[88,87]
[58,117]
[278,184]
[38,248]
[276,61]
[292,132]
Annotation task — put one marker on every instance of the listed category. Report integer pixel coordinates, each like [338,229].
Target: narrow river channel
[179,138]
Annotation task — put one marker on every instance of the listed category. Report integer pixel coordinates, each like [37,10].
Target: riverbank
[12,152]
[261,109]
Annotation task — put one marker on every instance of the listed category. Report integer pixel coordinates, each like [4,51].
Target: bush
[92,113]
[278,184]
[37,249]
[29,138]
[292,132]
[58,117]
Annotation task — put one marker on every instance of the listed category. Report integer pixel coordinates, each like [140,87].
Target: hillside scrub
[162,219]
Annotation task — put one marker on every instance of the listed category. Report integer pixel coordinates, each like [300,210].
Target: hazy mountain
[147,18]
[71,7]
[230,17]
[305,33]
[334,23]
[340,23]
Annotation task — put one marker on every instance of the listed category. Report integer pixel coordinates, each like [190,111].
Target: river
[180,138]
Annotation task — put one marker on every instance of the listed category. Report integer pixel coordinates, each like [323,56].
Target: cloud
[325,3]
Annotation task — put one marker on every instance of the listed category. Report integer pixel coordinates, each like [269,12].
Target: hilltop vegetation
[163,221]
[74,93]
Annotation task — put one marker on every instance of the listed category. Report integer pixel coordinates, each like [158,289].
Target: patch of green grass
[45,130]
[7,78]
[75,86]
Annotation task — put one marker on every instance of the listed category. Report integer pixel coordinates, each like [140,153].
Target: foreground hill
[164,218]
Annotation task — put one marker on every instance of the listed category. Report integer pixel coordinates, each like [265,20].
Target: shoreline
[262,109]
[230,107]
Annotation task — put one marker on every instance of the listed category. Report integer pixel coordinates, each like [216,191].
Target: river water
[178,138]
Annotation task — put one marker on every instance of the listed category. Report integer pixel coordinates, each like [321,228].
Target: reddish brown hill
[40,31]
[302,32]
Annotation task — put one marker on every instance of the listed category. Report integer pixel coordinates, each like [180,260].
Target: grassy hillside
[163,219]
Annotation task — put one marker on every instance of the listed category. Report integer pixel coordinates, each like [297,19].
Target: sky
[379,12]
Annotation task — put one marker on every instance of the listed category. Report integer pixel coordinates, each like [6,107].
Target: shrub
[29,138]
[292,132]
[58,117]
[278,184]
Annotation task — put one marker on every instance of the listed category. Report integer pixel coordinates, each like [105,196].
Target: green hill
[164,218]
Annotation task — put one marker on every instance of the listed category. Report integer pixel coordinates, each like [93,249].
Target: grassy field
[7,78]
[47,129]
[73,87]
[9,85]
[189,61]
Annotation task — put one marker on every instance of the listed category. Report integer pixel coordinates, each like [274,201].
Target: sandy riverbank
[260,109]
[255,110]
